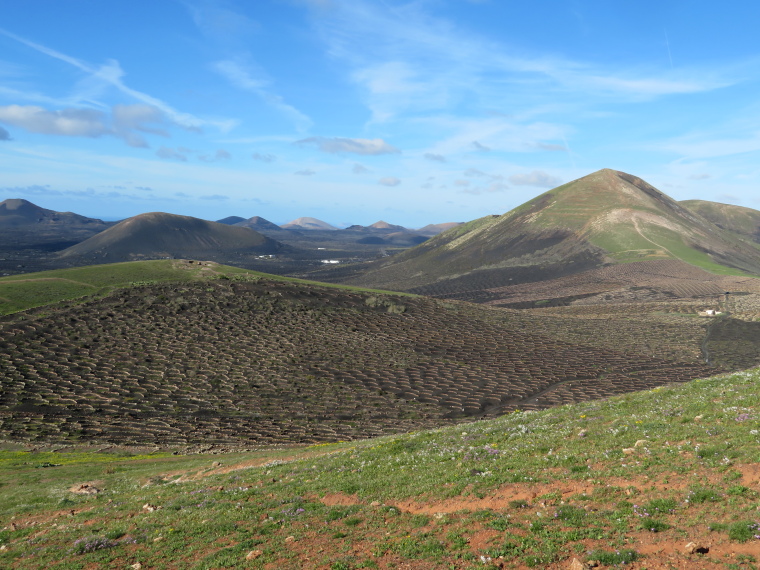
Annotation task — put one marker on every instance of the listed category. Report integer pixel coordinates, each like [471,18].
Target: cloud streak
[339,145]
[240,77]
[111,74]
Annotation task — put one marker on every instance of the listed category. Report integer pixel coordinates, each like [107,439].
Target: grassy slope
[632,477]
[26,291]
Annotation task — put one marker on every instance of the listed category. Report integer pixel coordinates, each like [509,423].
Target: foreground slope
[604,218]
[664,479]
[246,359]
[158,234]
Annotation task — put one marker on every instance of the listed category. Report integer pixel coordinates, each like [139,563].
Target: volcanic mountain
[605,218]
[157,234]
[230,220]
[18,212]
[259,224]
[308,224]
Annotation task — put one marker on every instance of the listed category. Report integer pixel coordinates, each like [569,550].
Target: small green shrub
[653,525]
[661,506]
[607,558]
[743,531]
[699,495]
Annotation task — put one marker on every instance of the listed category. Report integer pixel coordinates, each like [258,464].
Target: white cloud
[359,169]
[337,145]
[125,122]
[305,172]
[703,176]
[480,147]
[66,122]
[535,178]
[389,181]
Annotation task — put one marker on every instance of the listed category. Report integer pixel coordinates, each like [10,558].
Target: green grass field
[610,481]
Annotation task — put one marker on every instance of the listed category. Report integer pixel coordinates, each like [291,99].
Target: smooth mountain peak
[307,223]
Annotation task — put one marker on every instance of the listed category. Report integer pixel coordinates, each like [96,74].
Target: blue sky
[352,111]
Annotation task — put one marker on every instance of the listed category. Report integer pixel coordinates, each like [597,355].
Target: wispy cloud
[338,145]
[111,74]
[4,135]
[305,172]
[242,77]
[406,59]
[360,169]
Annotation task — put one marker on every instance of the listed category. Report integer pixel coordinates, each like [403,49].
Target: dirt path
[638,229]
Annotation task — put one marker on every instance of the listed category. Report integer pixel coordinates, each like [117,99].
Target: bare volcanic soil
[254,361]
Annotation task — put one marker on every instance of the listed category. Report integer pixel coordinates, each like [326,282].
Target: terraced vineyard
[642,281]
[248,361]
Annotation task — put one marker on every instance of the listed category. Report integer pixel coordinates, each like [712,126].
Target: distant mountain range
[605,218]
[602,220]
[309,229]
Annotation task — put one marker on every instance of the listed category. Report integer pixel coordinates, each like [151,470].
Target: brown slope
[158,234]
